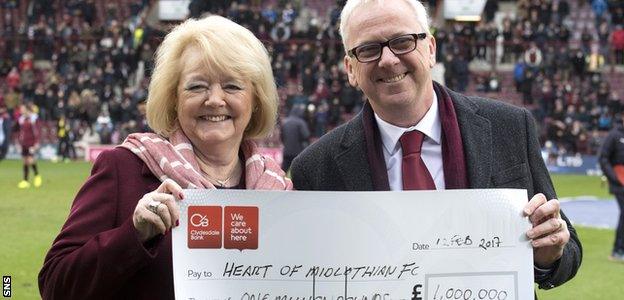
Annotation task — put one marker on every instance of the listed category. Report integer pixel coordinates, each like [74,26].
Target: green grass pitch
[32,218]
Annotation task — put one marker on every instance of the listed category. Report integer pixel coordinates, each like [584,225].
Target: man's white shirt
[431,152]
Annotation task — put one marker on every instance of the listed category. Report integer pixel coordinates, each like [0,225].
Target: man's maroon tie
[415,173]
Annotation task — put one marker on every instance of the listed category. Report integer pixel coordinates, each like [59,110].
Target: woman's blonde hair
[229,50]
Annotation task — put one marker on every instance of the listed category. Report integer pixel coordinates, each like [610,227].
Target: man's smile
[393,78]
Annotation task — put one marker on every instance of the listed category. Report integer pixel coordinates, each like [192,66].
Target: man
[469,142]
[294,135]
[612,163]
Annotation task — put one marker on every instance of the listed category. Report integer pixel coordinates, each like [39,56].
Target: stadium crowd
[85,64]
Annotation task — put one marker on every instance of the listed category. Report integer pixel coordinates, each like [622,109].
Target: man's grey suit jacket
[501,150]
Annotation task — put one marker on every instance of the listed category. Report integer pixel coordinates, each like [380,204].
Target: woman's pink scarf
[174,158]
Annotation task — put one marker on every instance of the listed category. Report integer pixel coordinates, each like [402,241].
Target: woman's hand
[157,211]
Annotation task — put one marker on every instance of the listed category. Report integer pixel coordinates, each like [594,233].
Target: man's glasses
[399,45]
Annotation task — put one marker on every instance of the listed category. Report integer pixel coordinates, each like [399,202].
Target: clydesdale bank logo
[229,227]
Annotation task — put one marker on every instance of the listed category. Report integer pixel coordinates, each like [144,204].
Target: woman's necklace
[221,183]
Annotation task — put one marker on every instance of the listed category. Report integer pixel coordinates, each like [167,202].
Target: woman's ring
[153,206]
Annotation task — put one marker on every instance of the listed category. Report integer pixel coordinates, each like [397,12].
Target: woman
[211,92]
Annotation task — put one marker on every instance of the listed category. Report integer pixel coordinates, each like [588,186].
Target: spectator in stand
[12,100]
[460,71]
[481,84]
[533,57]
[604,33]
[601,97]
[527,87]
[88,136]
[508,36]
[294,135]
[586,40]
[490,39]
[141,120]
[617,43]
[617,14]
[578,138]
[39,99]
[299,98]
[615,103]
[308,82]
[350,98]
[13,78]
[480,41]
[547,97]
[321,118]
[600,8]
[29,134]
[518,74]
[491,7]
[578,64]
[197,7]
[559,10]
[595,61]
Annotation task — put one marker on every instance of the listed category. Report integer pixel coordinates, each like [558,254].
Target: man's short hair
[420,11]
[228,49]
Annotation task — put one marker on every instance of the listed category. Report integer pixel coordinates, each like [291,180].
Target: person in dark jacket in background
[611,158]
[5,132]
[295,134]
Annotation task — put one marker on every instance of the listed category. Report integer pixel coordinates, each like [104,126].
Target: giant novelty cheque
[266,245]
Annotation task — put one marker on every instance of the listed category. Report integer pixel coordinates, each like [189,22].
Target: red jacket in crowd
[617,39]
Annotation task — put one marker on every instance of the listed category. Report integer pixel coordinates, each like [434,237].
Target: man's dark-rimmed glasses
[399,45]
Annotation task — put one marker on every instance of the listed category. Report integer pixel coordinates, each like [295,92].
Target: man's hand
[549,234]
